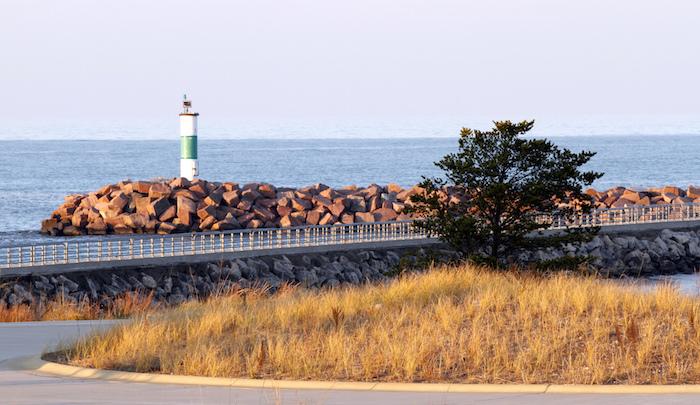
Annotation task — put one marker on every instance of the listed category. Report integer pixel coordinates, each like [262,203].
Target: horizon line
[333,138]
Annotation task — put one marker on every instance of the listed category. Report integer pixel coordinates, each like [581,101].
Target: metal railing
[636,214]
[157,246]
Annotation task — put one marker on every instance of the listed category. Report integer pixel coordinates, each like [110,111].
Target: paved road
[26,387]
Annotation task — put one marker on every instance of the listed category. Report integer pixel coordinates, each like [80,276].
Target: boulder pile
[180,205]
[620,197]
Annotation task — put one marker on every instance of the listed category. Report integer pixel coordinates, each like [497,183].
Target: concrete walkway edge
[35,363]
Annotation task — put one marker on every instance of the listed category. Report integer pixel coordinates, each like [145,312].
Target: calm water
[37,174]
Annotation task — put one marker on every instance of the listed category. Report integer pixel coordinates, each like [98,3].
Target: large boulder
[267,190]
[186,208]
[168,214]
[693,192]
[231,198]
[142,187]
[384,215]
[313,217]
[362,217]
[135,221]
[357,203]
[158,207]
[159,190]
[97,227]
[250,194]
[299,204]
[677,191]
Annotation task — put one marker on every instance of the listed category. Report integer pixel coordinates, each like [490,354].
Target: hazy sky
[298,64]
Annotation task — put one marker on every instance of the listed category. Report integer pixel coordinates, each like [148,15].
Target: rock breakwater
[620,197]
[179,205]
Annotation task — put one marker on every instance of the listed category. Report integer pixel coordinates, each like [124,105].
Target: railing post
[65,252]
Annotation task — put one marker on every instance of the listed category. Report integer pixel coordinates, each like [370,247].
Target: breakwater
[179,205]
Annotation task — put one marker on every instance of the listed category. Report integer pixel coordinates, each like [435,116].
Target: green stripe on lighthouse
[188,147]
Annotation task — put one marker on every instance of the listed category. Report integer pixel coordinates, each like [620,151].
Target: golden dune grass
[460,324]
[58,309]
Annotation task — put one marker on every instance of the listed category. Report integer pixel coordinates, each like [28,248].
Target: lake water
[36,175]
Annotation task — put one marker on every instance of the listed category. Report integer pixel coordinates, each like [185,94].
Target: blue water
[35,175]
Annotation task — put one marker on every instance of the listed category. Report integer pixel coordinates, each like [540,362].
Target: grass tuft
[61,309]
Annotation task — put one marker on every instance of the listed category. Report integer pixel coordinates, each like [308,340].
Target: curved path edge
[37,364]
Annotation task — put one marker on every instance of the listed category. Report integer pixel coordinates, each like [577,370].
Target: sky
[315,68]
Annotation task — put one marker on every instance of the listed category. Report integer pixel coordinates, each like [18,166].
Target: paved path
[26,387]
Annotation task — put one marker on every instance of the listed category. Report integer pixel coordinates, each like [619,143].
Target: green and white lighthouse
[188,141]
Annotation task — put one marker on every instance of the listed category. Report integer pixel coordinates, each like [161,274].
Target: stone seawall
[175,284]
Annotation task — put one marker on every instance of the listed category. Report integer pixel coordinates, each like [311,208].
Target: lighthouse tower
[188,141]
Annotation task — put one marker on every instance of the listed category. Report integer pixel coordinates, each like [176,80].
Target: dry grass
[59,309]
[462,324]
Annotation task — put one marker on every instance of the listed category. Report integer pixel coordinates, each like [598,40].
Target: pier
[147,249]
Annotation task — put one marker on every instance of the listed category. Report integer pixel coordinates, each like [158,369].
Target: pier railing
[156,246]
[116,248]
[636,214]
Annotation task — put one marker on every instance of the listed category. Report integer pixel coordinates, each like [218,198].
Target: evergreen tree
[496,189]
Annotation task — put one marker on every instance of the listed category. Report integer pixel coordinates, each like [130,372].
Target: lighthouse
[188,141]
